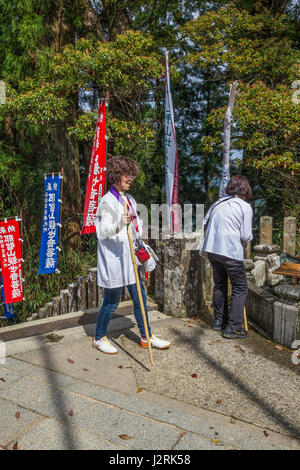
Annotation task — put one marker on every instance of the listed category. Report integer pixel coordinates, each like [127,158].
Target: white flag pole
[171,161]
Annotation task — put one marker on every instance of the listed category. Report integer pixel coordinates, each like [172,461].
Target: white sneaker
[155,342]
[104,345]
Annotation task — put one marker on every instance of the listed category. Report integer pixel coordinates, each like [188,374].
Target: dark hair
[239,185]
[118,166]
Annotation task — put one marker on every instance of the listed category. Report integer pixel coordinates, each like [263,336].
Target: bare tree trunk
[226,148]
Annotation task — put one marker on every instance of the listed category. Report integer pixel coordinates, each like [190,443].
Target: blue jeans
[110,305]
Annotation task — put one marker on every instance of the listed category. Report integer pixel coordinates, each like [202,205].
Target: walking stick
[138,286]
[245,320]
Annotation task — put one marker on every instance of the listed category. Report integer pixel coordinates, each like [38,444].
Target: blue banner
[50,228]
[8,308]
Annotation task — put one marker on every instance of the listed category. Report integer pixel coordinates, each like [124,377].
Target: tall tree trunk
[116,16]
[65,149]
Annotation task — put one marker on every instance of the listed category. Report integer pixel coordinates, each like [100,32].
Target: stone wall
[81,295]
[278,320]
[175,283]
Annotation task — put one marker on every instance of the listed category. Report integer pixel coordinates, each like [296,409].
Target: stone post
[56,306]
[41,312]
[181,274]
[48,310]
[206,284]
[100,296]
[265,230]
[289,235]
[72,298]
[82,282]
[247,251]
[157,277]
[64,301]
[92,288]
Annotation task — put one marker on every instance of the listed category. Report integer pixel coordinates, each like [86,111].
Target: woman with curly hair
[115,268]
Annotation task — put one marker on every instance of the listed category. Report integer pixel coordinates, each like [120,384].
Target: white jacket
[228,226]
[114,262]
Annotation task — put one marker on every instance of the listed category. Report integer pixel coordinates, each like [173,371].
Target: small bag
[141,251]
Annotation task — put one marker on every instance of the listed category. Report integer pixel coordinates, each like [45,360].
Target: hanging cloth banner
[171,161]
[8,308]
[11,260]
[50,228]
[96,179]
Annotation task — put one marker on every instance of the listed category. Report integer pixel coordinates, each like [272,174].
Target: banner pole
[22,282]
[59,233]
[106,137]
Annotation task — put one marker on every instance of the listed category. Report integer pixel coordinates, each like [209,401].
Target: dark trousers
[224,268]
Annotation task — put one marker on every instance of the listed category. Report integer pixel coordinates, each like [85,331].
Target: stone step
[68,320]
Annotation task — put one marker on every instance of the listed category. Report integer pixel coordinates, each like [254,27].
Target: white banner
[171,162]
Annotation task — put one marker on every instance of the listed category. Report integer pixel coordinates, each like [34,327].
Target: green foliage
[257,49]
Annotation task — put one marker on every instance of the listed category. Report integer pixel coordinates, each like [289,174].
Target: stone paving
[205,392]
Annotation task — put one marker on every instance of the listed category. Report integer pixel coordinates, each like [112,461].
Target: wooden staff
[245,320]
[138,286]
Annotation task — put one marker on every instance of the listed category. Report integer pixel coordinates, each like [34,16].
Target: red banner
[11,261]
[96,179]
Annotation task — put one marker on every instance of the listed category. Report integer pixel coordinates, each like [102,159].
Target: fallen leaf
[139,390]
[70,360]
[3,380]
[279,348]
[71,412]
[17,415]
[194,376]
[216,441]
[54,337]
[219,401]
[239,349]
[214,342]
[85,369]
[266,433]
[183,433]
[190,326]
[15,446]
[125,437]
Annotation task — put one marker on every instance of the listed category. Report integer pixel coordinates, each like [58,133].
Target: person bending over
[228,227]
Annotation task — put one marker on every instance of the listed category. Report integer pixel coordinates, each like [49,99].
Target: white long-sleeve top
[228,226]
[114,266]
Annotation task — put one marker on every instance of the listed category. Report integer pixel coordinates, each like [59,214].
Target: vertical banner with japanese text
[96,179]
[171,160]
[8,308]
[50,228]
[11,260]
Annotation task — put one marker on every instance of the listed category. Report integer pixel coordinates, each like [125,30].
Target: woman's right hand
[125,219]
